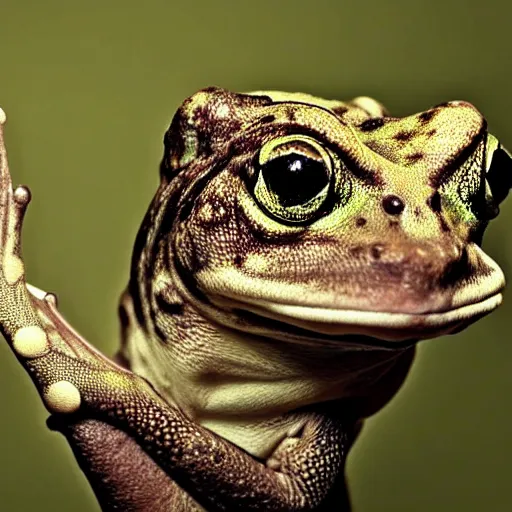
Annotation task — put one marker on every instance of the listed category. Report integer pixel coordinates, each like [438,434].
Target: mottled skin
[295,251]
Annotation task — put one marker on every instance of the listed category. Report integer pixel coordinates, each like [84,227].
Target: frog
[295,253]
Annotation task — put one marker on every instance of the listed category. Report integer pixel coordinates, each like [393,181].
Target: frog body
[295,252]
[380,250]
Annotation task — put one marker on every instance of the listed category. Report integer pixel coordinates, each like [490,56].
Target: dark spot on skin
[376,251]
[432,132]
[339,111]
[204,147]
[238,260]
[414,157]
[290,114]
[417,211]
[393,205]
[428,115]
[434,202]
[393,224]
[371,124]
[403,136]
[356,250]
[268,119]
[251,99]
[444,104]
[360,222]
[375,146]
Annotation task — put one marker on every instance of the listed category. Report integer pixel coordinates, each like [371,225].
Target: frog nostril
[376,251]
[393,205]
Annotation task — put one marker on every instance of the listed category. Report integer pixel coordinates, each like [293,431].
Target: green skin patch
[294,253]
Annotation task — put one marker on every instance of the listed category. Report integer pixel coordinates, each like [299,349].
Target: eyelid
[266,151]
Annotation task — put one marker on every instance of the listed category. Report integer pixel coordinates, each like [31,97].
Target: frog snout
[419,269]
[409,276]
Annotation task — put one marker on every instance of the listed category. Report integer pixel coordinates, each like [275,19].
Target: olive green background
[89,90]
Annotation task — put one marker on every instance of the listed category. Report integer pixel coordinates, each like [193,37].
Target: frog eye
[498,169]
[294,180]
[481,182]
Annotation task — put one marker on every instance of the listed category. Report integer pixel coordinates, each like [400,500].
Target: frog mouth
[387,315]
[383,326]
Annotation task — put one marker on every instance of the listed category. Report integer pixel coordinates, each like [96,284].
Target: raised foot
[68,372]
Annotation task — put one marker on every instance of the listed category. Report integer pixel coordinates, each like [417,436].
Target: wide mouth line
[352,341]
[380,319]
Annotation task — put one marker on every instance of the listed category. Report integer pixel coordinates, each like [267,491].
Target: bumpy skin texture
[295,251]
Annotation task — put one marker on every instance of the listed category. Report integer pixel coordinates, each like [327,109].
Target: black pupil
[295,178]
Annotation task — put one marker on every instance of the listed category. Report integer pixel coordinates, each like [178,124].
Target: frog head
[300,218]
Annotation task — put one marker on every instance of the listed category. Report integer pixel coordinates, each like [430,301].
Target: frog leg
[111,460]
[122,475]
[75,380]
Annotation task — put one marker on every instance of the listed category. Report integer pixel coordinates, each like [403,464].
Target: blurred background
[89,90]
